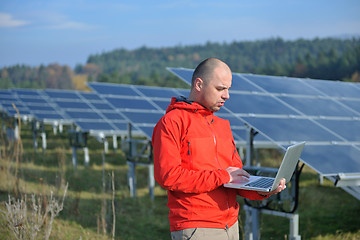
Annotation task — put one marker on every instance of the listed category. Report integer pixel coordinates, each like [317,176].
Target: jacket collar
[184,103]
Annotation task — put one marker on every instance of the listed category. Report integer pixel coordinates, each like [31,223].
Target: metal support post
[74,160]
[106,146]
[16,132]
[248,232]
[86,156]
[55,125]
[151,181]
[249,145]
[294,227]
[43,137]
[61,129]
[131,164]
[35,140]
[294,222]
[132,178]
[252,217]
[34,128]
[129,138]
[321,179]
[115,143]
[3,121]
[255,224]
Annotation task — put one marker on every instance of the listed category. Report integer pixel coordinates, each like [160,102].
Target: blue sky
[35,32]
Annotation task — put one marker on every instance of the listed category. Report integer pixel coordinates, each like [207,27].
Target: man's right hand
[237,174]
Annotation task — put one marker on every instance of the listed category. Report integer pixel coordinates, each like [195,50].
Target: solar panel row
[326,114]
[284,110]
[86,110]
[143,106]
[107,110]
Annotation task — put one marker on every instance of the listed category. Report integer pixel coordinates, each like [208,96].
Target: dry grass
[325,212]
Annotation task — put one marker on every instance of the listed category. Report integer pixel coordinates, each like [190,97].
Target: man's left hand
[281,187]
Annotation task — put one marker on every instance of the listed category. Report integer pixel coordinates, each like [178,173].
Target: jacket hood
[185,104]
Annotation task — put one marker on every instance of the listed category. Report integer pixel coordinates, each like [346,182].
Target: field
[325,212]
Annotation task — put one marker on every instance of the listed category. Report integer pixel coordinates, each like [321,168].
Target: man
[195,154]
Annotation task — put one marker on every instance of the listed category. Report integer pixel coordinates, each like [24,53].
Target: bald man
[195,154]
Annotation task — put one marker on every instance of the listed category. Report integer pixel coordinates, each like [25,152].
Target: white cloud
[72,25]
[56,20]
[6,20]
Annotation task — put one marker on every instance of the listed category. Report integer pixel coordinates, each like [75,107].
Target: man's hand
[237,174]
[281,187]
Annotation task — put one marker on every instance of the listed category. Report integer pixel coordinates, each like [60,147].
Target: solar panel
[38,106]
[41,108]
[142,106]
[102,106]
[88,126]
[314,106]
[285,110]
[183,92]
[144,117]
[131,103]
[163,104]
[155,92]
[113,116]
[49,116]
[332,159]
[353,104]
[258,104]
[7,99]
[279,85]
[61,94]
[335,88]
[88,111]
[114,89]
[241,83]
[346,128]
[90,96]
[291,129]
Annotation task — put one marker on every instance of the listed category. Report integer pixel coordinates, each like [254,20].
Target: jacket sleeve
[252,195]
[168,170]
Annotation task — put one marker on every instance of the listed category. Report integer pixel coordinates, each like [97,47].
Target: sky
[35,32]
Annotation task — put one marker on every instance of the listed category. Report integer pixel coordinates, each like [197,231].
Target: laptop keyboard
[262,183]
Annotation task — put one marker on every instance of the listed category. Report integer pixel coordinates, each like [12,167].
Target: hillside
[329,58]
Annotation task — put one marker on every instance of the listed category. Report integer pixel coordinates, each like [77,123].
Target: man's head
[210,84]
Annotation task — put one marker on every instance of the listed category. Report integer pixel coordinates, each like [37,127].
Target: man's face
[216,90]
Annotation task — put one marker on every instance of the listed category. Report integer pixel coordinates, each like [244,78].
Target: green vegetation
[328,58]
[325,212]
[331,59]
[51,76]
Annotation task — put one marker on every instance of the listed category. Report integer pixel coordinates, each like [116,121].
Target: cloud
[58,21]
[72,25]
[6,20]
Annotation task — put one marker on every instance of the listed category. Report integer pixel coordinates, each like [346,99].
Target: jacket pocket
[202,154]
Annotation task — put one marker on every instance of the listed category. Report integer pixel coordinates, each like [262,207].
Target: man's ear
[199,83]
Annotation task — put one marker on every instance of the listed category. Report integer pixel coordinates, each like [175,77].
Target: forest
[327,58]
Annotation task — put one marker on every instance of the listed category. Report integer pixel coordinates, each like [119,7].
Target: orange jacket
[192,148]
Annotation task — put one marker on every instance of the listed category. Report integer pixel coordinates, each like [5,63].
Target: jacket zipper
[189,148]
[217,160]
[189,152]
[215,142]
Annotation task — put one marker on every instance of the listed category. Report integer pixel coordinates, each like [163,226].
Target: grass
[325,212]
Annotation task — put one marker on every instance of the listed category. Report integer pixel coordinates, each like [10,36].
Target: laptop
[268,184]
